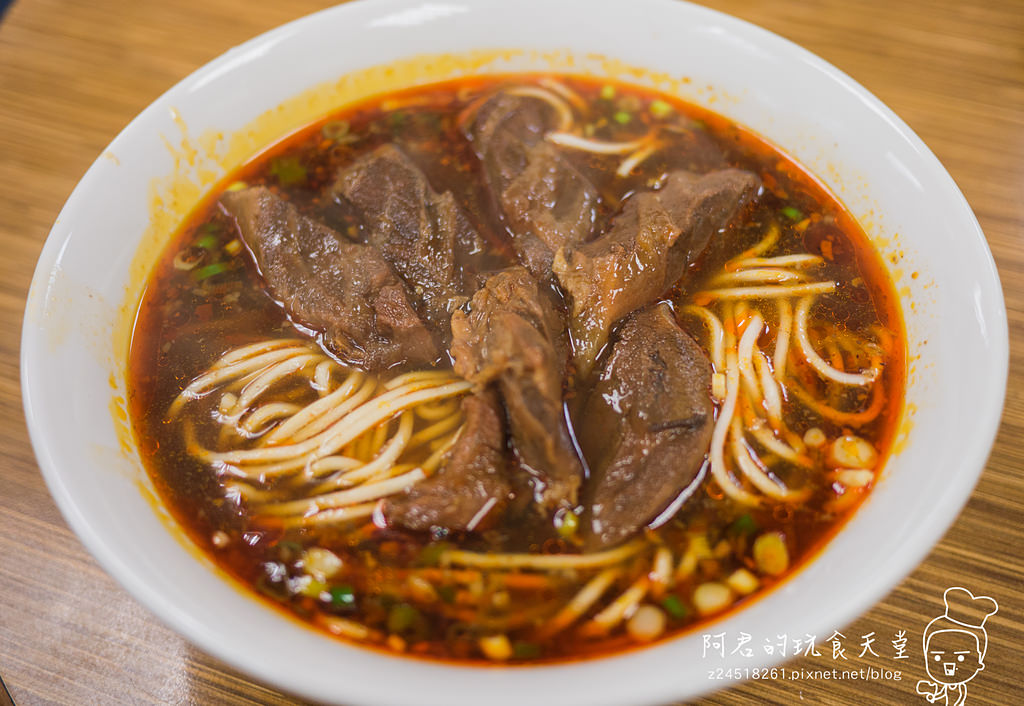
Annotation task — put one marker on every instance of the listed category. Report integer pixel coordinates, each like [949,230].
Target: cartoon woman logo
[954,646]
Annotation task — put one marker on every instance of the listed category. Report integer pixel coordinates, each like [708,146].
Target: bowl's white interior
[877,166]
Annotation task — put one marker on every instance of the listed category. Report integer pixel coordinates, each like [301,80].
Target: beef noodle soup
[516,369]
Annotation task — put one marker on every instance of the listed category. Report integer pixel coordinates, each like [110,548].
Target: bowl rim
[977,447]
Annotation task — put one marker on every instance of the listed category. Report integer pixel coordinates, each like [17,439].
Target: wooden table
[72,74]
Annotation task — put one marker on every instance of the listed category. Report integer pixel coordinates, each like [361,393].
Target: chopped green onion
[211,270]
[288,170]
[660,109]
[446,593]
[622,117]
[793,214]
[430,555]
[313,589]
[744,524]
[567,524]
[207,242]
[401,617]
[674,607]
[607,92]
[233,247]
[342,595]
[771,554]
[525,650]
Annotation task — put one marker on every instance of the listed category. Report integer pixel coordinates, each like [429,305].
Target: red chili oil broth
[190,317]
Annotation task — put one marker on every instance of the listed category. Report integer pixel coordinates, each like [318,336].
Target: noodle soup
[519,369]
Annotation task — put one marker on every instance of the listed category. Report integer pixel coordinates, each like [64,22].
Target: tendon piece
[513,335]
[645,252]
[546,202]
[471,489]
[646,426]
[423,234]
[346,292]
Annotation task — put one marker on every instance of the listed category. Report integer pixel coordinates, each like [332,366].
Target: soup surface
[521,368]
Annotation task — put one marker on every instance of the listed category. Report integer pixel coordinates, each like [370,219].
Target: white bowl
[92,269]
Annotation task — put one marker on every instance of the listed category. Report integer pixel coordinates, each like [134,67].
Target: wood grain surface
[72,74]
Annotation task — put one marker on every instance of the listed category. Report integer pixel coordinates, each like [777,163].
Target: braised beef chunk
[513,335]
[471,490]
[703,204]
[645,427]
[424,235]
[545,200]
[644,252]
[345,291]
